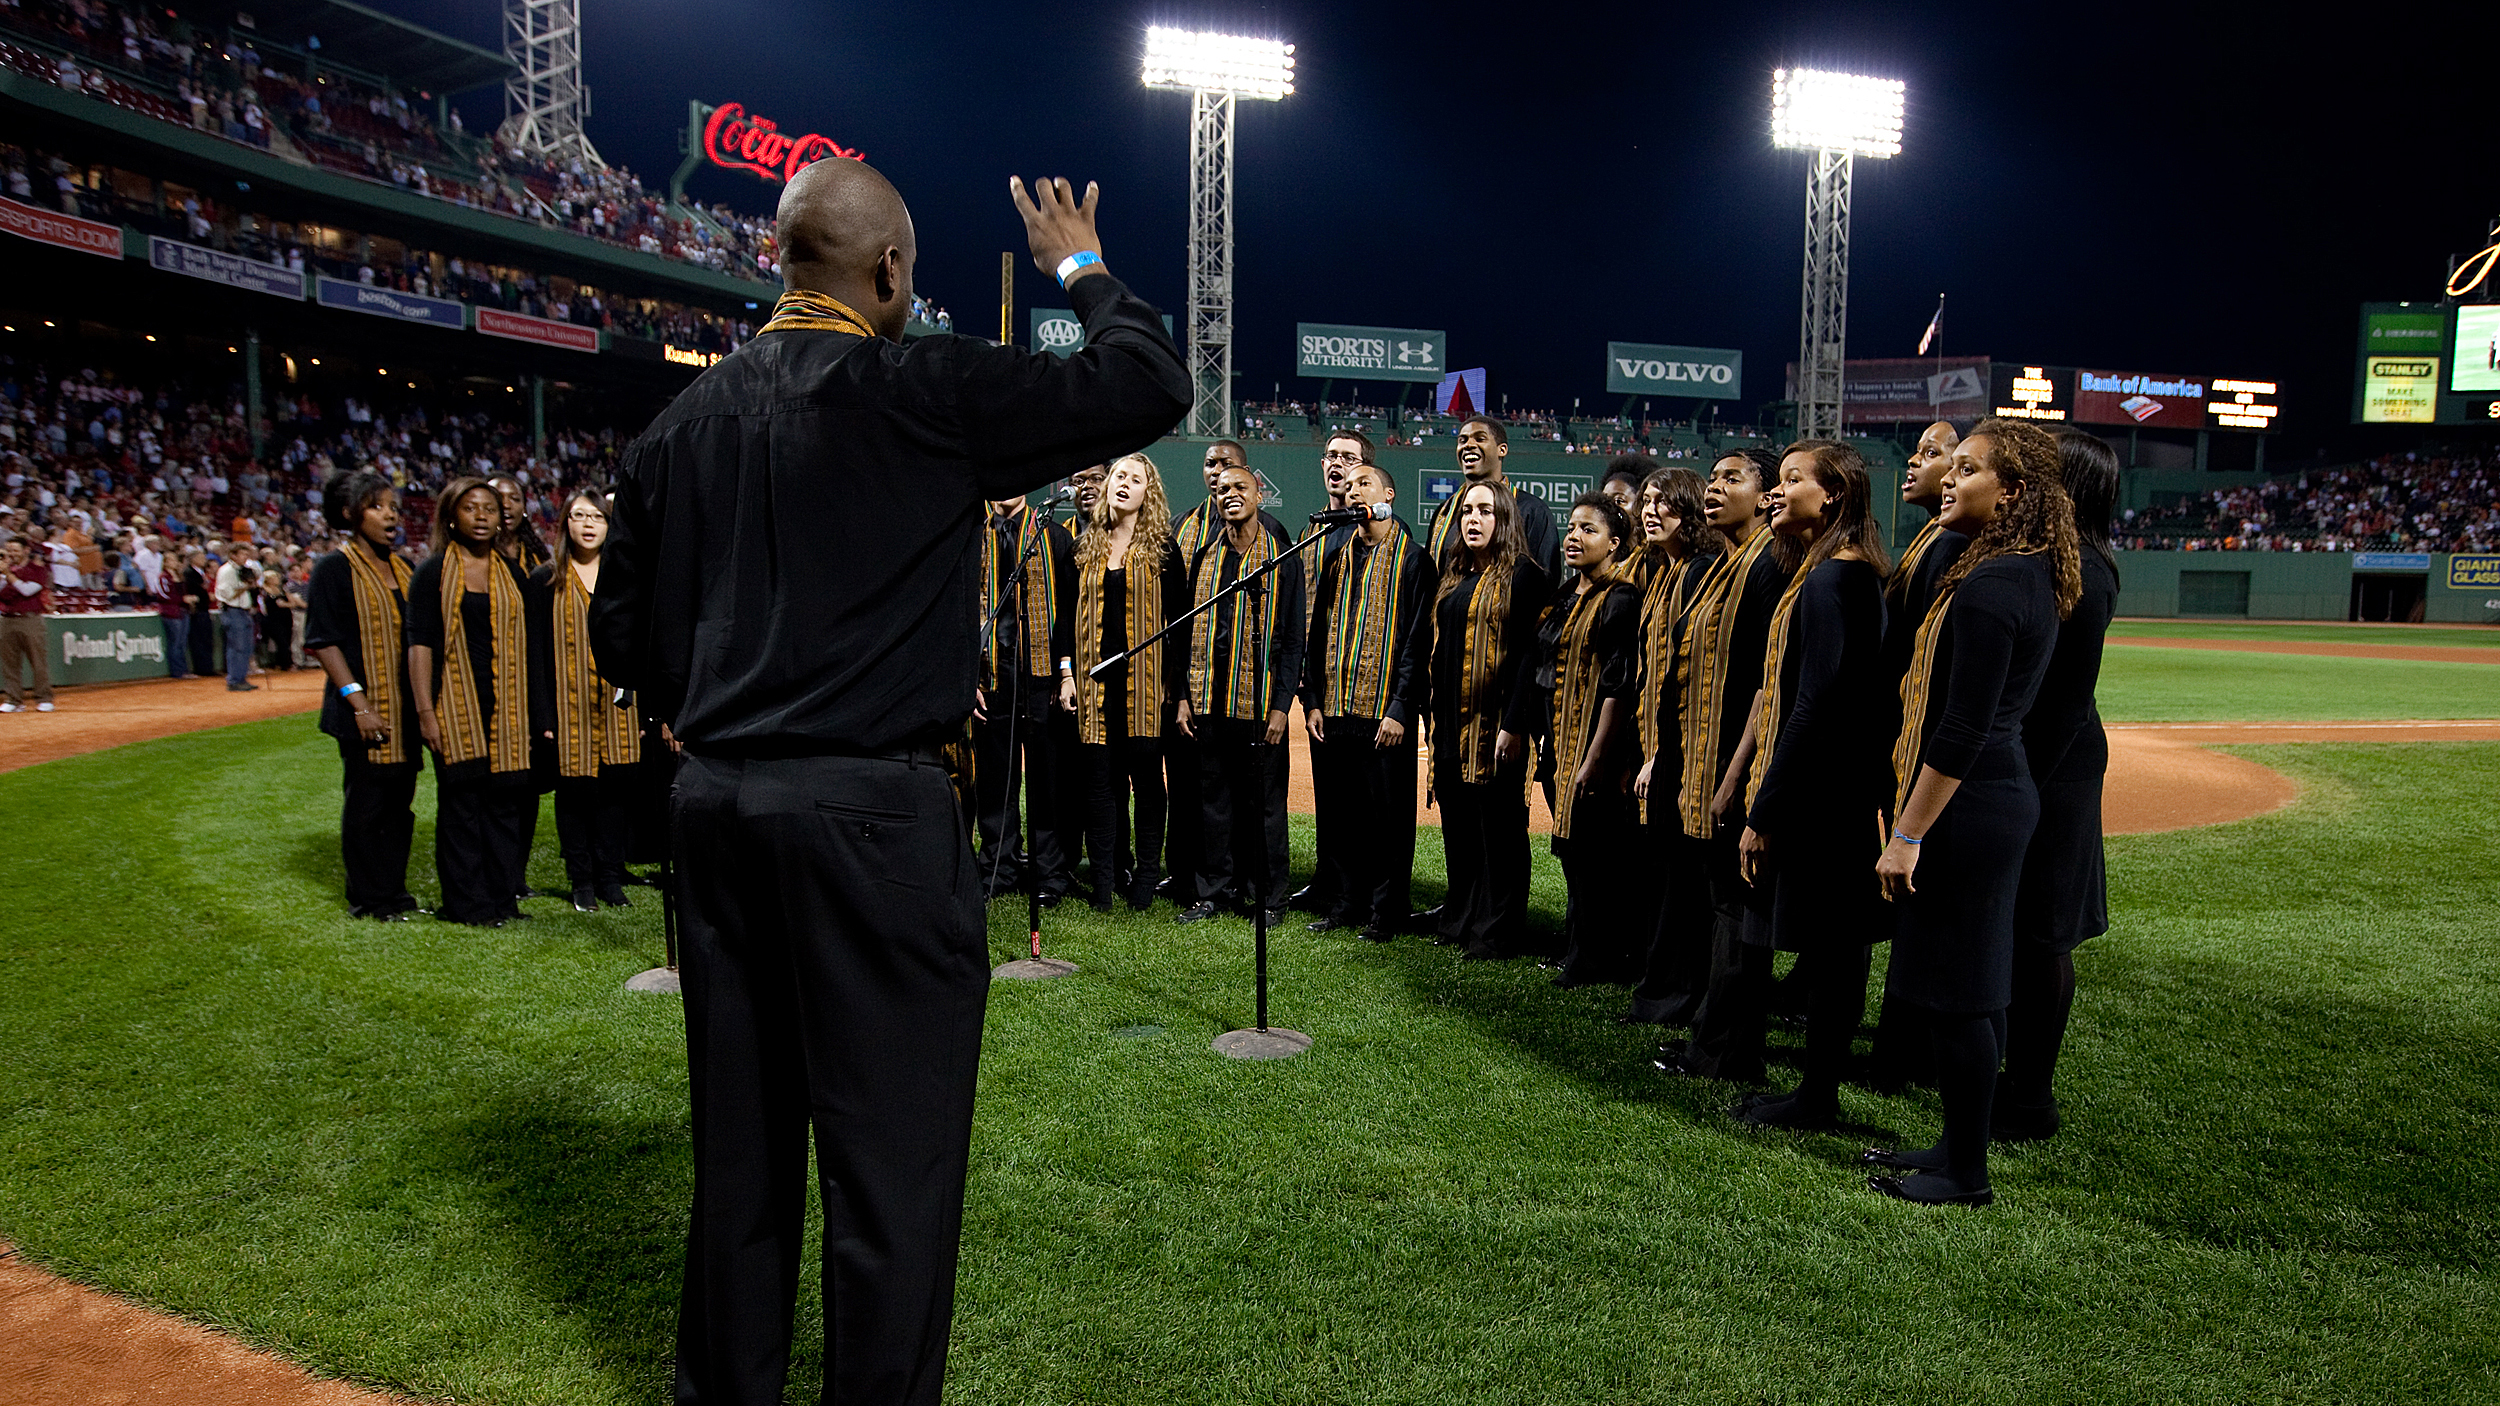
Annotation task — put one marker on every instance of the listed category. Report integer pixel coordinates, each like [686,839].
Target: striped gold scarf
[1145,667]
[1039,607]
[381,599]
[591,732]
[1483,660]
[1363,625]
[1767,733]
[1898,588]
[799,310]
[1575,697]
[1191,529]
[467,736]
[1915,688]
[1708,636]
[1662,608]
[1233,692]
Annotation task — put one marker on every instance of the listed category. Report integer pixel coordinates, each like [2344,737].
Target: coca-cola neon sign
[741,142]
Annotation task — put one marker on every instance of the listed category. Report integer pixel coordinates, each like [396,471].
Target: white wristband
[1080,259]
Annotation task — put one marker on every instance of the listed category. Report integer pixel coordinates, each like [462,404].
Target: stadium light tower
[1839,118]
[1215,70]
[545,100]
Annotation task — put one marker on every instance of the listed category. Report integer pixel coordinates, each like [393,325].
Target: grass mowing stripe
[2308,632]
[2206,685]
[454,1162]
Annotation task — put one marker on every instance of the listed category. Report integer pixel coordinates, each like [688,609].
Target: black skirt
[2065,888]
[1954,949]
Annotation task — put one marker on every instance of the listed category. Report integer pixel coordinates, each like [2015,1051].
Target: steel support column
[1823,321]
[545,100]
[1210,330]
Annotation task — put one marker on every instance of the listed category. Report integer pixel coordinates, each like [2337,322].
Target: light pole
[1838,118]
[1214,69]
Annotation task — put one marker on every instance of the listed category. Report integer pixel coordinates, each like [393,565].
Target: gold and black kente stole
[1483,651]
[1916,685]
[381,644]
[1363,620]
[591,732]
[467,736]
[1773,655]
[1709,633]
[1576,668]
[1904,575]
[802,311]
[1145,667]
[1661,599]
[1036,607]
[1191,529]
[1229,687]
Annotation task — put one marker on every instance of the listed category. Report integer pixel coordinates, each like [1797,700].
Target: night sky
[2150,188]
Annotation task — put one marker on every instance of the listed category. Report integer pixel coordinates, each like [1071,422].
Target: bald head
[844,231]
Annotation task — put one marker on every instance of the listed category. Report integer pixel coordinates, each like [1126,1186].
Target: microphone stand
[1259,1042]
[1035,967]
[663,978]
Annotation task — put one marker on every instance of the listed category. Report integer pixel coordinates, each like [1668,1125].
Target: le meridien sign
[740,141]
[1640,368]
[1331,350]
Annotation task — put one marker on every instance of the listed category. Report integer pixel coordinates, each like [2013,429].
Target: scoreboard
[2425,364]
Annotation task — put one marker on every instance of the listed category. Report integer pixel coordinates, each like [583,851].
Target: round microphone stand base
[661,979]
[1032,969]
[1273,1043]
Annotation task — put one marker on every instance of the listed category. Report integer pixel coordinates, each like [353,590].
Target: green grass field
[453,1163]
[2302,632]
[2209,685]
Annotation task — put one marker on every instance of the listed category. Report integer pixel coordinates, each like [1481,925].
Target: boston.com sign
[1327,349]
[1639,368]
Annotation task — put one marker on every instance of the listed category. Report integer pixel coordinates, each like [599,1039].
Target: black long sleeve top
[330,622]
[792,567]
[1748,646]
[1409,637]
[1053,567]
[1174,583]
[1998,632]
[1666,692]
[1832,760]
[1911,595]
[1612,643]
[1510,698]
[2063,729]
[1284,643]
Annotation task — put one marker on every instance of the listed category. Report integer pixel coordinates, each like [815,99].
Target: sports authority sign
[737,140]
[60,231]
[1328,349]
[547,332]
[1640,368]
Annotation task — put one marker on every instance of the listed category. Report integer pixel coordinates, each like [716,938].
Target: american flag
[1935,328]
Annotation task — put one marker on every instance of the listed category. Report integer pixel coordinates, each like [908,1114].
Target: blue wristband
[350,690]
[1082,258]
[1896,834]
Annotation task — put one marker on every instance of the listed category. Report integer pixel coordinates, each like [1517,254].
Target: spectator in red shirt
[25,593]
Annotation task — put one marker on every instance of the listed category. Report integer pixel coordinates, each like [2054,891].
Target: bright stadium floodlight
[1183,61]
[1816,111]
[1839,117]
[1215,70]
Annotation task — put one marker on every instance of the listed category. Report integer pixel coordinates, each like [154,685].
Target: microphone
[1064,493]
[1377,512]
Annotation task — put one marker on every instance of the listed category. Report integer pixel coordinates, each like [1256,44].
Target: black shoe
[1917,1159]
[1930,1189]
[634,880]
[525,891]
[1141,897]
[2015,1122]
[1376,933]
[1308,898]
[1052,900]
[584,901]
[1197,912]
[1101,901]
[1329,921]
[1427,920]
[613,895]
[1788,1111]
[1169,887]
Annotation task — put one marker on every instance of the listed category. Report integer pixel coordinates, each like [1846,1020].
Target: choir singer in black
[792,585]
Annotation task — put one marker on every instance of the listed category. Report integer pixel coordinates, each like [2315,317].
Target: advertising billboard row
[2424,364]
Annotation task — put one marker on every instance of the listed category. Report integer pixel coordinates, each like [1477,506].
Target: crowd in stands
[153,61]
[136,493]
[2413,502]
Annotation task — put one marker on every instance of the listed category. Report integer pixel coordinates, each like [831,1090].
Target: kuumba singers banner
[1642,368]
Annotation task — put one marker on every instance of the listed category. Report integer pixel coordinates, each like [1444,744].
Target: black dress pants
[593,821]
[1242,788]
[203,643]
[377,822]
[1115,769]
[1729,1029]
[1677,970]
[836,969]
[1484,842]
[1003,784]
[1372,824]
[477,839]
[1187,838]
[1603,937]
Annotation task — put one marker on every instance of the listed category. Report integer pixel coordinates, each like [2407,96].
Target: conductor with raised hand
[790,585]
